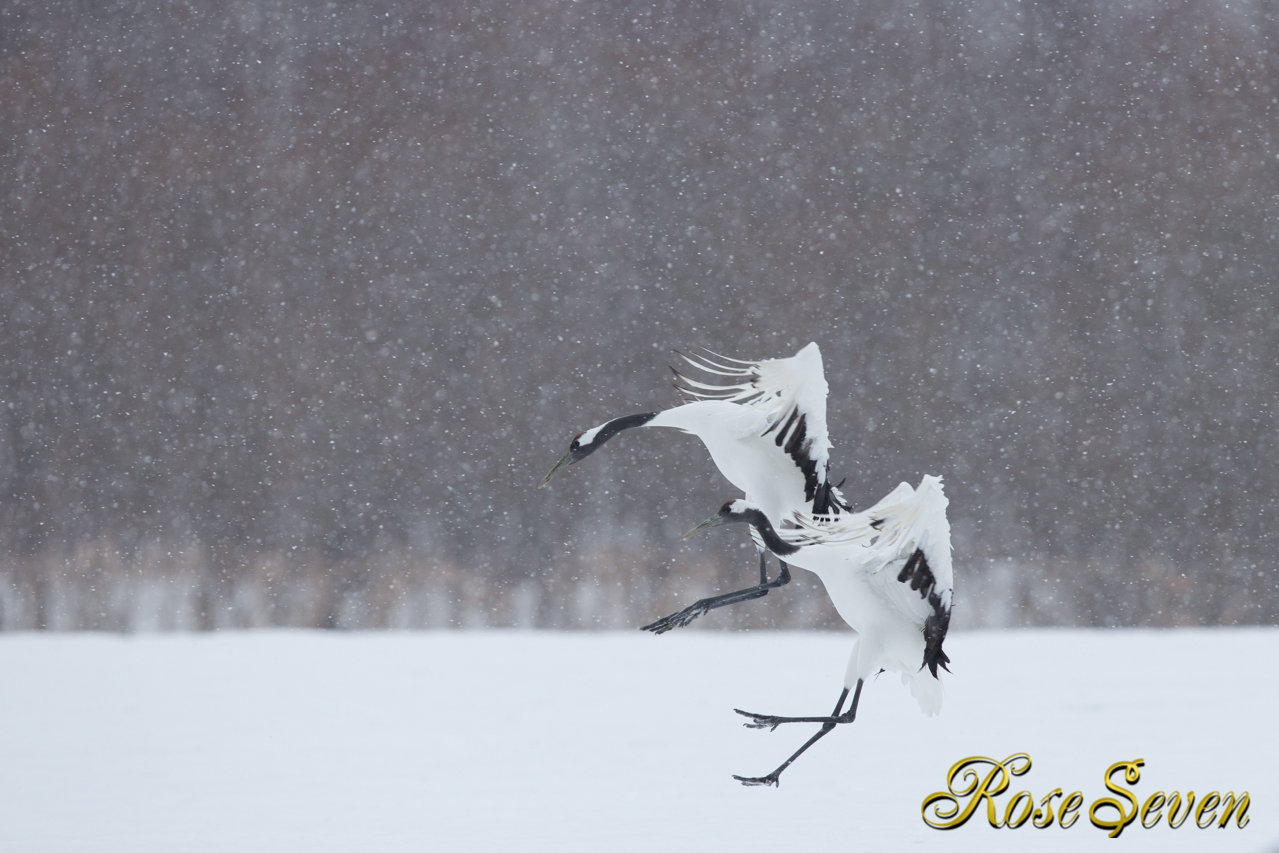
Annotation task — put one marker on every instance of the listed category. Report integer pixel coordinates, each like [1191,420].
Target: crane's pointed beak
[714,521]
[564,462]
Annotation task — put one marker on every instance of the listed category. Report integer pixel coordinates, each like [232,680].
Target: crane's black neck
[760,522]
[616,425]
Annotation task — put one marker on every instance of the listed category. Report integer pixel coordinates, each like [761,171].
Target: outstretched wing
[791,392]
[908,534]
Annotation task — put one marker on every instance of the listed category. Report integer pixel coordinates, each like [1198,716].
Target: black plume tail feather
[934,658]
[935,627]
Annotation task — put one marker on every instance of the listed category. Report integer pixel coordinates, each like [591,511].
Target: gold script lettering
[1016,822]
[1066,817]
[1228,804]
[977,779]
[1132,773]
[1154,805]
[963,780]
[1174,803]
[1207,804]
[1044,814]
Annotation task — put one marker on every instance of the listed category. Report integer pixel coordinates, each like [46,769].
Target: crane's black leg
[770,722]
[828,723]
[688,614]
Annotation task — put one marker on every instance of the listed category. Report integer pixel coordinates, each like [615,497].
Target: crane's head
[745,512]
[582,446]
[735,510]
[586,443]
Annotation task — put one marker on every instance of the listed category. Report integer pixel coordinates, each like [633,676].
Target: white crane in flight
[766,431]
[888,571]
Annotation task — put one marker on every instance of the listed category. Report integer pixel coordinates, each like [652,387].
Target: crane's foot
[698,608]
[765,721]
[752,781]
[760,721]
[680,619]
[770,722]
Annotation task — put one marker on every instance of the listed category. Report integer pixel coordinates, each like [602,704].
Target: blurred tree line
[300,299]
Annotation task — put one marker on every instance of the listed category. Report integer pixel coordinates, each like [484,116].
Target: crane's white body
[731,432]
[766,433]
[859,557]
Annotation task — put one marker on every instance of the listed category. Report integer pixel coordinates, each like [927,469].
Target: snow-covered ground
[503,741]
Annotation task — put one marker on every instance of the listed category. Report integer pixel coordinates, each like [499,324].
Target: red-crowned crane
[766,431]
[888,571]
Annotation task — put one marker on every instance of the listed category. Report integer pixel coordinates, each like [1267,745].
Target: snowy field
[504,741]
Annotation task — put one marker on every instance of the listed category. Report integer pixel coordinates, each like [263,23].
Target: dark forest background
[298,300]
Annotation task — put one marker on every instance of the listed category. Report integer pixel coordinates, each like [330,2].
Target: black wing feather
[919,575]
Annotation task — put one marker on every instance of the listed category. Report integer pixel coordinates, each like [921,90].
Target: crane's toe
[751,781]
[678,620]
[759,721]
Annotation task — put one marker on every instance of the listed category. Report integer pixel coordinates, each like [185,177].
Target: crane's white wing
[791,392]
[903,545]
